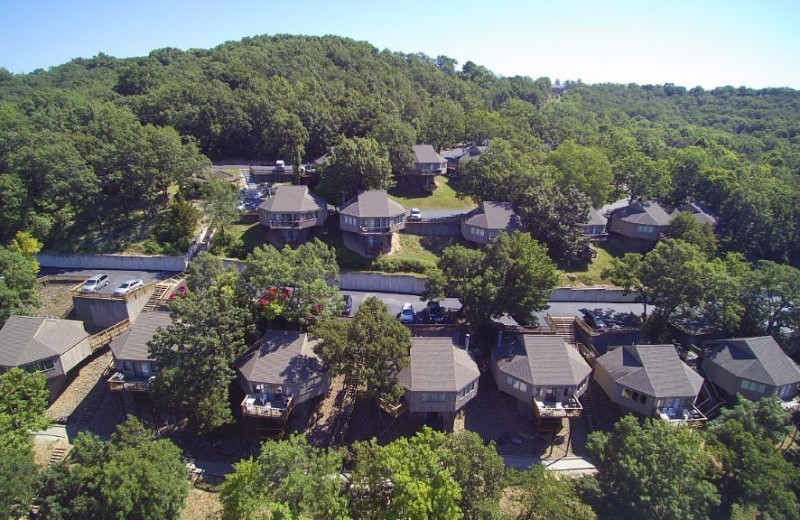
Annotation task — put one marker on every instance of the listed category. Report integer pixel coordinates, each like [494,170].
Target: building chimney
[466,342]
[499,338]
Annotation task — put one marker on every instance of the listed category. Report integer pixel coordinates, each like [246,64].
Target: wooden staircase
[104,337]
[348,402]
[58,455]
[565,327]
[163,289]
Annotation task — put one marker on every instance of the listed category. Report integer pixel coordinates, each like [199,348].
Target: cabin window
[126,366]
[516,383]
[467,389]
[645,229]
[310,385]
[753,386]
[40,366]
[431,397]
[634,396]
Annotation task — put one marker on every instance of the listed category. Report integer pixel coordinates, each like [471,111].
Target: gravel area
[320,418]
[202,505]
[84,378]
[56,299]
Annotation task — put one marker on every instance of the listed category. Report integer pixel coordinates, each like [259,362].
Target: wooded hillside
[96,140]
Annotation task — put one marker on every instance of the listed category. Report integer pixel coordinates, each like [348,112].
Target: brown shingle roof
[655,370]
[646,213]
[498,216]
[293,199]
[372,204]
[541,360]
[424,153]
[438,365]
[758,359]
[132,346]
[27,339]
[284,358]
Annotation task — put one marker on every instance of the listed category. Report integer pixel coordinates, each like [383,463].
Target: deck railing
[119,382]
[276,407]
[558,409]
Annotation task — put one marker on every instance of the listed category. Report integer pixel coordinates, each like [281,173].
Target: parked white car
[95,283]
[407,314]
[128,286]
[415,214]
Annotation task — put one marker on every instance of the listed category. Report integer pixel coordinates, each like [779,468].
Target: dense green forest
[90,144]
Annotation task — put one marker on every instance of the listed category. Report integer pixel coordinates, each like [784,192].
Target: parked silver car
[95,283]
[128,286]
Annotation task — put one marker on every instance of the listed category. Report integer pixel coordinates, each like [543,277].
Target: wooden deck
[557,409]
[104,337]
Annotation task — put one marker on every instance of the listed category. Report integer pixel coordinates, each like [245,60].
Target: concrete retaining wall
[116,262]
[98,313]
[434,228]
[591,294]
[380,282]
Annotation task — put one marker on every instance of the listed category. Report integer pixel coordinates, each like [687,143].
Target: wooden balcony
[267,406]
[691,416]
[395,410]
[292,224]
[118,382]
[569,408]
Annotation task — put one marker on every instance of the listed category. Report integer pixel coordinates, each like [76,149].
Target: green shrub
[394,264]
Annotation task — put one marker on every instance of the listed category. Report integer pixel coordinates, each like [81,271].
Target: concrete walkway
[565,464]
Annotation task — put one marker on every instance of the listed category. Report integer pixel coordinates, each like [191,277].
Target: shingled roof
[437,365]
[132,346]
[27,339]
[541,360]
[424,153]
[293,199]
[758,359]
[697,212]
[498,216]
[647,213]
[654,370]
[596,218]
[284,358]
[372,204]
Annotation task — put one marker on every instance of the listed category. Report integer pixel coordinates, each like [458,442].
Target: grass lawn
[589,274]
[252,234]
[444,197]
[425,249]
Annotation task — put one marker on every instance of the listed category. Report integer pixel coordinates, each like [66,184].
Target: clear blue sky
[701,42]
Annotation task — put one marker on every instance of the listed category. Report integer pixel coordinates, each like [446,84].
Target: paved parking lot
[115,278]
[395,302]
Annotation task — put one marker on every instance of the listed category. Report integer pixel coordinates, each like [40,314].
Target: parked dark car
[435,312]
[348,305]
[593,320]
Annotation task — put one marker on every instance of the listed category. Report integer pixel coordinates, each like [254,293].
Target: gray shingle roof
[424,153]
[132,346]
[596,218]
[285,358]
[758,359]
[437,365]
[647,213]
[497,216]
[293,199]
[27,339]
[541,360]
[655,370]
[697,212]
[372,204]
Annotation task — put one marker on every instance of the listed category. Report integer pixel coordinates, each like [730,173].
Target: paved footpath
[565,464]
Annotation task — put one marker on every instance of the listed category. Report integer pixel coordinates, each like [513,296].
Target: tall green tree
[642,176]
[286,137]
[196,354]
[585,168]
[356,164]
[513,276]
[220,198]
[306,274]
[398,138]
[18,284]
[652,471]
[373,347]
[537,494]
[132,476]
[304,478]
[422,486]
[444,124]
[685,227]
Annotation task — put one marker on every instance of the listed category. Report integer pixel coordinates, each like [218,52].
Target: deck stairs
[160,297]
[348,402]
[565,327]
[58,455]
